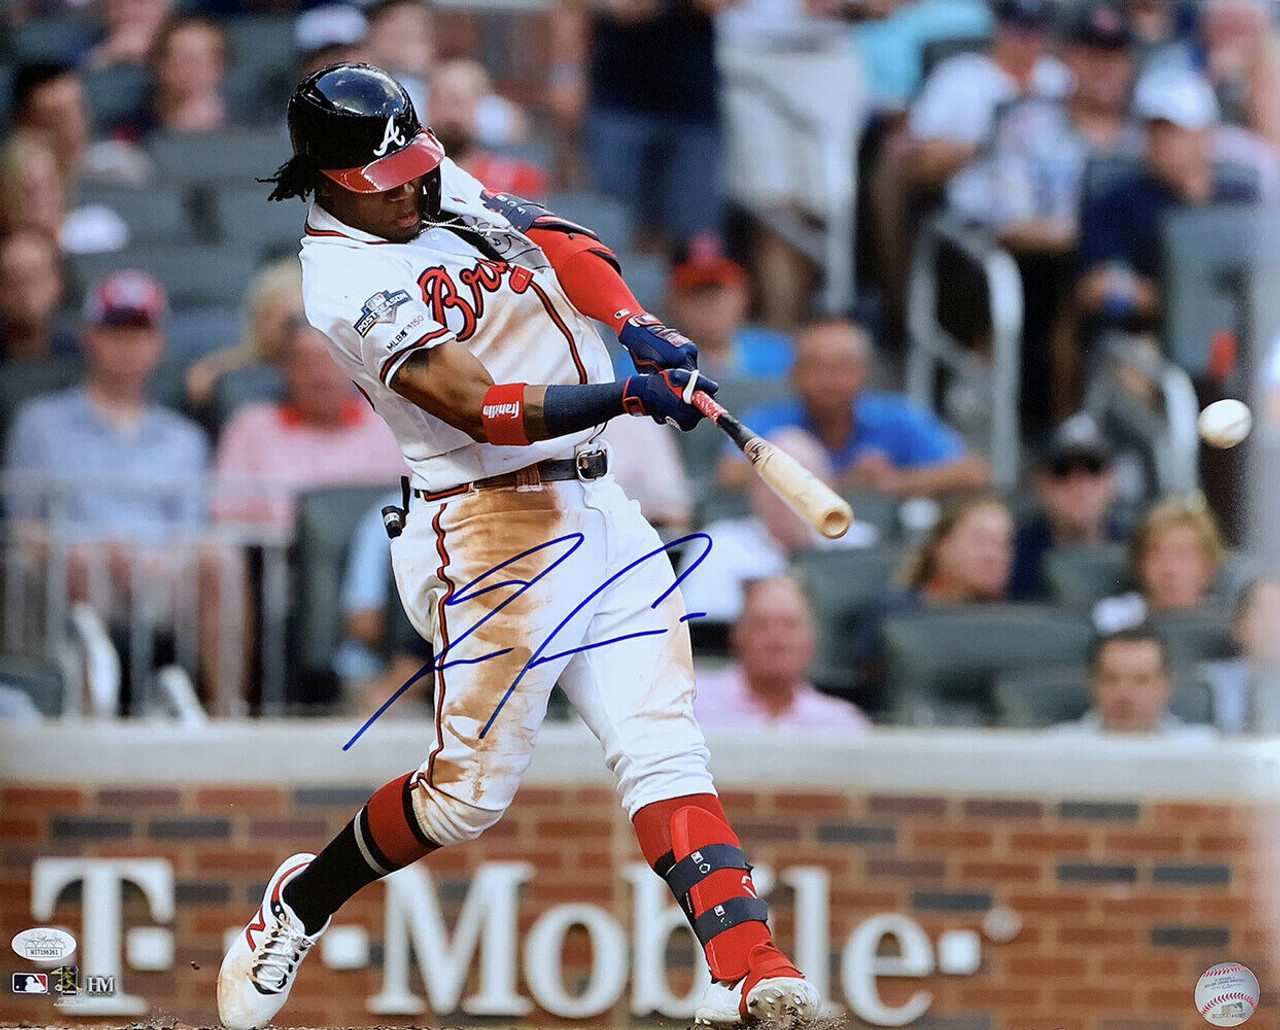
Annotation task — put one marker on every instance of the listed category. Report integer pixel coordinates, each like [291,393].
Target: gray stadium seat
[940,663]
[245,217]
[1045,695]
[194,275]
[325,523]
[646,274]
[939,50]
[61,38]
[844,584]
[40,680]
[262,41]
[21,381]
[223,159]
[116,95]
[195,333]
[1208,253]
[1197,636]
[255,384]
[742,393]
[880,510]
[609,219]
[154,214]
[1081,576]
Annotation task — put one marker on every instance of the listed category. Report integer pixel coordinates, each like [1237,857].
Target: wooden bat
[805,494]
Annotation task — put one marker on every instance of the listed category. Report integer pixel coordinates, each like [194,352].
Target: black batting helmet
[357,125]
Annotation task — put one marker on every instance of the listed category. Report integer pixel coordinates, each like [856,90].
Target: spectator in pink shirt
[773,642]
[323,434]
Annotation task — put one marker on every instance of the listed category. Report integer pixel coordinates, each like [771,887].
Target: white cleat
[258,971]
[786,1000]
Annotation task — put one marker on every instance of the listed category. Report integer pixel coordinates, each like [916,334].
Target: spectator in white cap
[328,34]
[1120,245]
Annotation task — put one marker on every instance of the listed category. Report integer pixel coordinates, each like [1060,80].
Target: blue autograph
[487,582]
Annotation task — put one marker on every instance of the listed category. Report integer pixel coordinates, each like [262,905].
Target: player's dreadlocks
[297,177]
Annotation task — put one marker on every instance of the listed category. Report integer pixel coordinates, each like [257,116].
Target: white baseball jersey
[379,302]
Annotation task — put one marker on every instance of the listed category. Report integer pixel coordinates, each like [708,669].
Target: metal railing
[74,591]
[1167,430]
[932,347]
[833,162]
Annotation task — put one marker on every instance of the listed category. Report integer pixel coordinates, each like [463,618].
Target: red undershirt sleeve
[586,270]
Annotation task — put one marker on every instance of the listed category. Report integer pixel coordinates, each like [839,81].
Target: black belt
[586,466]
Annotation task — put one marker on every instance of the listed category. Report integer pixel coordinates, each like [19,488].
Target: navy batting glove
[667,396]
[654,346]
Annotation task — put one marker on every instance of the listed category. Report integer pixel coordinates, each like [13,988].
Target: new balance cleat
[258,971]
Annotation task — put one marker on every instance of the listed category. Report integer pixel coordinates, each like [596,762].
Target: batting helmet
[358,126]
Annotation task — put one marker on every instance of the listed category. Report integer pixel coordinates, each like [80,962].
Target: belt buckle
[582,465]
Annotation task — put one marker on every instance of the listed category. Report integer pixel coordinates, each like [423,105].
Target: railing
[71,592]
[1168,431]
[832,163]
[933,347]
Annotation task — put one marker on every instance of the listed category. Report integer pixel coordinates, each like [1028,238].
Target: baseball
[1225,423]
[1227,993]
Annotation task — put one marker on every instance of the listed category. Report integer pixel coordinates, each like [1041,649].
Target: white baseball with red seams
[1225,423]
[1227,994]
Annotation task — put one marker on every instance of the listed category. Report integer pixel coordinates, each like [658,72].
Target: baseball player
[464,318]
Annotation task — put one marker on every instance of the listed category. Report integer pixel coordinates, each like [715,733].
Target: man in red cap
[125,474]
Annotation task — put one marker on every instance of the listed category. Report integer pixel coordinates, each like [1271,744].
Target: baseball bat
[805,494]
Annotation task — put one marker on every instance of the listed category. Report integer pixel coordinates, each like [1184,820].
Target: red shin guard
[689,843]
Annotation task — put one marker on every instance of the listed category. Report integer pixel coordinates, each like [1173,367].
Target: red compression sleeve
[502,413]
[593,285]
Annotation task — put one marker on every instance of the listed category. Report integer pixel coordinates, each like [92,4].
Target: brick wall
[1123,901]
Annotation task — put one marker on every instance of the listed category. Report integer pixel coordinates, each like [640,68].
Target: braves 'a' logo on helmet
[390,135]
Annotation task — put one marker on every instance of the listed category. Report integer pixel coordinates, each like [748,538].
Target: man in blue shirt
[880,442]
[116,483]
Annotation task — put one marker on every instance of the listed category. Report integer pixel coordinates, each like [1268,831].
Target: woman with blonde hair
[1174,556]
[273,300]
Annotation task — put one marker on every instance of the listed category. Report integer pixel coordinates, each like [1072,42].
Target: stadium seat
[940,663]
[264,42]
[742,393]
[646,274]
[244,217]
[225,159]
[609,219]
[1207,254]
[326,520]
[1079,577]
[197,332]
[40,680]
[154,214]
[192,334]
[117,95]
[843,584]
[257,383]
[60,38]
[939,50]
[880,510]
[1046,695]
[21,381]
[1197,636]
[193,275]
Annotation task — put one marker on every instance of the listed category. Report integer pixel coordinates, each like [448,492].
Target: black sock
[336,874]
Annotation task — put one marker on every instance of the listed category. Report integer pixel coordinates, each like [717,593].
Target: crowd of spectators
[731,132]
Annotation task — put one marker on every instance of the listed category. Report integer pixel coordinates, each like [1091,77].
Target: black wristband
[571,409]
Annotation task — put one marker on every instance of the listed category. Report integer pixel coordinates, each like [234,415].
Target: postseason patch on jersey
[381,307]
